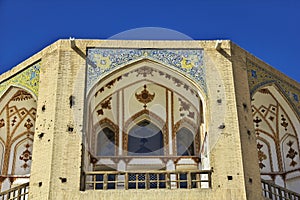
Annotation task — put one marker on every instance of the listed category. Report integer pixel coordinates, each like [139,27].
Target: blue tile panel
[101,62]
[27,79]
[259,77]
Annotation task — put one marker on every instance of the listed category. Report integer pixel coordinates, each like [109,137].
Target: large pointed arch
[145,92]
[279,89]
[276,123]
[17,123]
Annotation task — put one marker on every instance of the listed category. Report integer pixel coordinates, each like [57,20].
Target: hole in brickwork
[63,180]
[229,178]
[43,108]
[222,126]
[72,101]
[70,129]
[41,135]
[250,180]
[40,184]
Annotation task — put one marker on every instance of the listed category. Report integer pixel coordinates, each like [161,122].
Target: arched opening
[185,142]
[145,139]
[106,145]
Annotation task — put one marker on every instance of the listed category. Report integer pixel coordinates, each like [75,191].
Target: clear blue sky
[269,29]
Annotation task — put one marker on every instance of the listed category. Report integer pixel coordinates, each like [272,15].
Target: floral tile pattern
[259,77]
[29,79]
[102,61]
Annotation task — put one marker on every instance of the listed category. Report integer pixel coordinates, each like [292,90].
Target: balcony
[19,192]
[273,191]
[153,180]
[105,180]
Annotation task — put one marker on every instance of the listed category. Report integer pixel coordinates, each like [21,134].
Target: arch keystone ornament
[145,97]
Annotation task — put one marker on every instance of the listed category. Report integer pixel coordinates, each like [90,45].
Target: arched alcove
[277,128]
[104,138]
[148,104]
[17,124]
[106,143]
[186,136]
[185,142]
[155,131]
[145,139]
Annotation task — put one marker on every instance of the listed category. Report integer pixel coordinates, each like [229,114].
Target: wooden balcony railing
[105,180]
[275,192]
[17,193]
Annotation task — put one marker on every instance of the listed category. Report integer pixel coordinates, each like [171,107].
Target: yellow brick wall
[245,119]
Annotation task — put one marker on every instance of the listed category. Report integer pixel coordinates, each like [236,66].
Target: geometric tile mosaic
[259,77]
[28,79]
[101,62]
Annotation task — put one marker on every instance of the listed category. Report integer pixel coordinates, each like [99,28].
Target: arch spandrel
[145,70]
[27,79]
[259,77]
[189,62]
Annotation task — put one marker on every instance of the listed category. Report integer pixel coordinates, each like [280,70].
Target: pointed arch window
[185,142]
[145,139]
[106,142]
